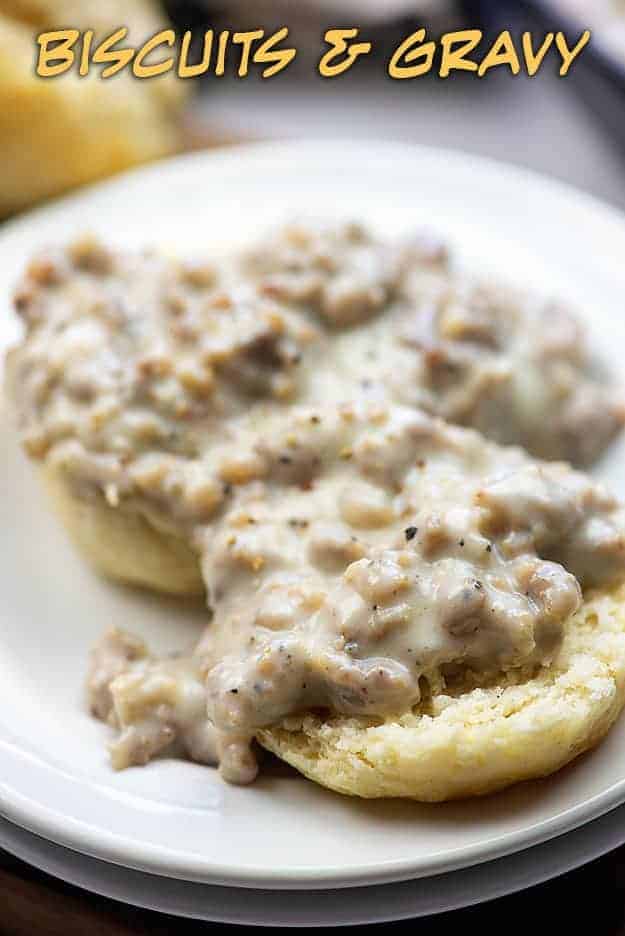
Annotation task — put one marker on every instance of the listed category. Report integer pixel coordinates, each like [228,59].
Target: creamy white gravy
[280,412]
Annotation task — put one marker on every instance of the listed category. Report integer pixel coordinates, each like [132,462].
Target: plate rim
[566,853]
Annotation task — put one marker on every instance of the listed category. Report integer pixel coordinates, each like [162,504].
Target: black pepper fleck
[410,532]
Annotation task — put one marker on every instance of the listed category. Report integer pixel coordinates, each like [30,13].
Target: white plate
[380,903]
[179,819]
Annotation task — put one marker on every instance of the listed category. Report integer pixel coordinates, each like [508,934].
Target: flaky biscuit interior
[477,740]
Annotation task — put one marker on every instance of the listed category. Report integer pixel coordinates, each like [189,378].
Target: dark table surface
[34,904]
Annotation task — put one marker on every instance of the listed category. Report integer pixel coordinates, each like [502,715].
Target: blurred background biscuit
[57,134]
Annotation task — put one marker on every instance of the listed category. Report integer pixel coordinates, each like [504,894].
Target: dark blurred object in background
[599,75]
[307,20]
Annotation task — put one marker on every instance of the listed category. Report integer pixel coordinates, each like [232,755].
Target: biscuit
[123,545]
[480,740]
[60,133]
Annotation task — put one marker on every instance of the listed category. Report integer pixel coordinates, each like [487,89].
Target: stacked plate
[172,836]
